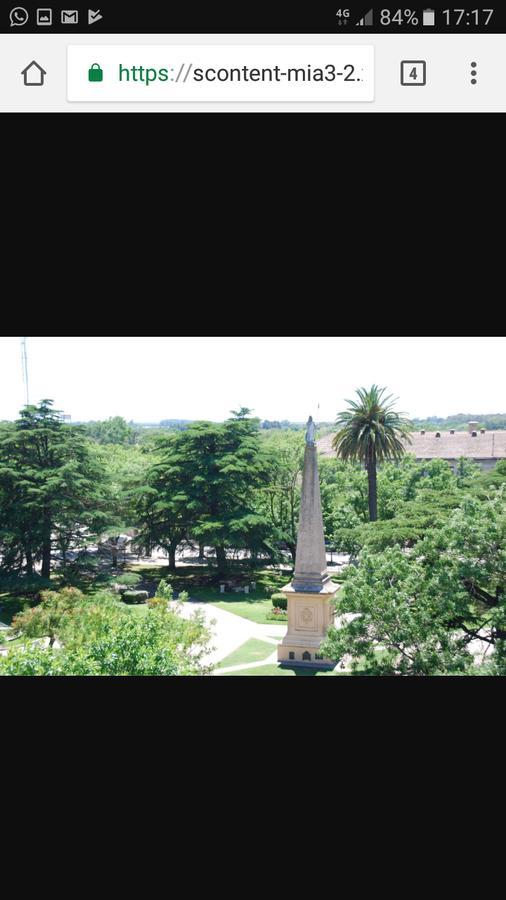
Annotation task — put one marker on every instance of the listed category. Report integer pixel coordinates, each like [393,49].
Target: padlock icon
[95,73]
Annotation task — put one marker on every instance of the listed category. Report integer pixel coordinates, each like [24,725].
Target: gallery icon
[69,16]
[44,17]
[94,15]
[18,16]
[33,75]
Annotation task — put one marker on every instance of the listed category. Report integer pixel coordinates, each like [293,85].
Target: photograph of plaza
[350,521]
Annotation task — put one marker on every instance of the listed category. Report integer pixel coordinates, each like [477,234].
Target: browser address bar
[172,73]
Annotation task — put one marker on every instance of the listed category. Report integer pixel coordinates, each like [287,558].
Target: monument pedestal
[310,614]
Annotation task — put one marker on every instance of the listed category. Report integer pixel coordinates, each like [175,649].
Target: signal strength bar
[367,21]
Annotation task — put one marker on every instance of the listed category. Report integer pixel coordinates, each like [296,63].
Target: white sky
[152,378]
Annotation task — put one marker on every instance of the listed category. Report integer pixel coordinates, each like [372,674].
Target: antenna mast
[24,363]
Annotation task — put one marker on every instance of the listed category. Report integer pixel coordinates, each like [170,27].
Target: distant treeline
[285,425]
[178,424]
[494,422]
[117,430]
[266,424]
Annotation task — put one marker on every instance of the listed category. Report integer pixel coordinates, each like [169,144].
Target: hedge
[135,596]
[279,600]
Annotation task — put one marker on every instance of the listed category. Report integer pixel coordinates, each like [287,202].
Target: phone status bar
[202,17]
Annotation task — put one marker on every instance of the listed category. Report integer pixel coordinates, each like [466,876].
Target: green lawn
[254,610]
[282,670]
[251,651]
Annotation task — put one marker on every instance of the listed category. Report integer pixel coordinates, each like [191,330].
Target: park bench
[236,587]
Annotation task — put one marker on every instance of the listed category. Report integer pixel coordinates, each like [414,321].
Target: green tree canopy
[114,430]
[100,636]
[278,500]
[204,488]
[125,469]
[425,607]
[51,486]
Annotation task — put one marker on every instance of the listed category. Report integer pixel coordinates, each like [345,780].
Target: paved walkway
[229,631]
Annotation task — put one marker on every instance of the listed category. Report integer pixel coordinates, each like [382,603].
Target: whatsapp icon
[18,16]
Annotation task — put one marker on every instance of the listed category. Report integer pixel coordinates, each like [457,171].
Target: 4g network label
[226,72]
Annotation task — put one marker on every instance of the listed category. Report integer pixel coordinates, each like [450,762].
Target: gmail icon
[69,16]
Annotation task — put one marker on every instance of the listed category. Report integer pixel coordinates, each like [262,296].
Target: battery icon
[429,18]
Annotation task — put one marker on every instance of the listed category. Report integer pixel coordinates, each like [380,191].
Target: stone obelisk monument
[310,612]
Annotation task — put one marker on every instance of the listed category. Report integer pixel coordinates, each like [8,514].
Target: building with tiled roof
[484,447]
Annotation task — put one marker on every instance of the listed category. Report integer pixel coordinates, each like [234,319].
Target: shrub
[164,591]
[279,601]
[135,596]
[128,580]
[30,661]
[157,603]
[69,616]
[46,620]
[163,596]
[126,584]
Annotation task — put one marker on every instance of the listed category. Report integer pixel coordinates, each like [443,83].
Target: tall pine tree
[205,486]
[52,488]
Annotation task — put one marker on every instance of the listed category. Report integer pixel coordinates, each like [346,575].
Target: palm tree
[371,432]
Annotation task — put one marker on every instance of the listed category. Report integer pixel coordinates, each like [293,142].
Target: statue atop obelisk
[310,431]
[309,611]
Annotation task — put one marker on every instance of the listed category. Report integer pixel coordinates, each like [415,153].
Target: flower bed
[278,615]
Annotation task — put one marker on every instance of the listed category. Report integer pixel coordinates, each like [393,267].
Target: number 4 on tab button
[95,73]
[414,73]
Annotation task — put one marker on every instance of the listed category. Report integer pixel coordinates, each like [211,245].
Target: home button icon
[33,75]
